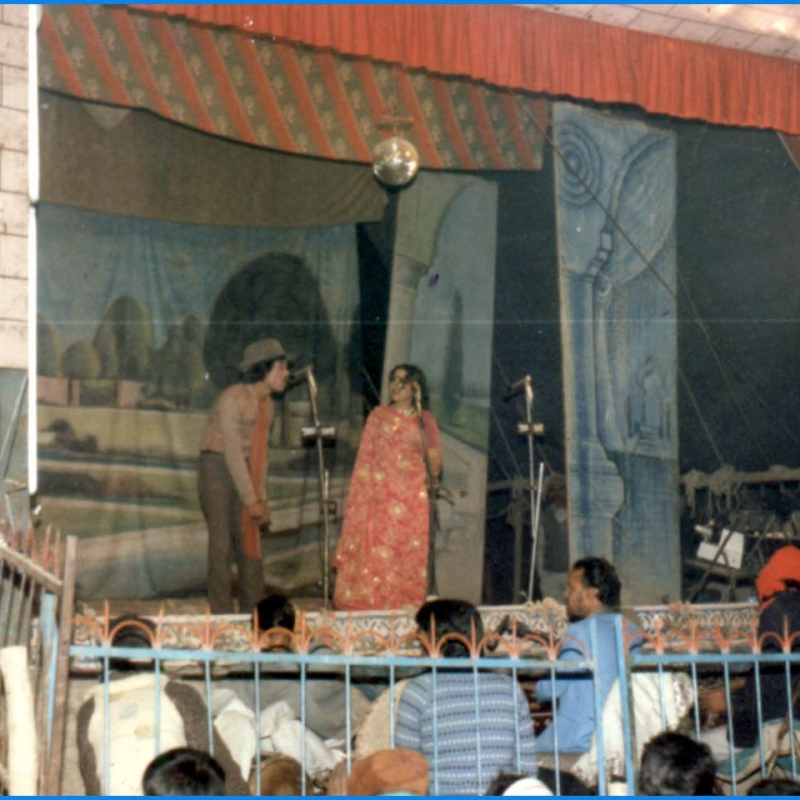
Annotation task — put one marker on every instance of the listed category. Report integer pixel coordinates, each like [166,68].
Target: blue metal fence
[380,663]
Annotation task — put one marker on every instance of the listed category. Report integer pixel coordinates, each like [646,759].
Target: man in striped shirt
[470,724]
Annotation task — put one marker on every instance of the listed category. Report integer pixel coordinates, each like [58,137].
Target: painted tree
[80,361]
[125,333]
[275,295]
[106,346]
[49,350]
[192,369]
[178,368]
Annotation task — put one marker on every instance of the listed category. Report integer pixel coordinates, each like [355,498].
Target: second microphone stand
[320,435]
[530,429]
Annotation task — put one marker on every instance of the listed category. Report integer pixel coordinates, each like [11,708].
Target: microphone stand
[531,429]
[327,505]
[433,516]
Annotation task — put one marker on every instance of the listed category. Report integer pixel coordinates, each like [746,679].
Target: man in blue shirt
[592,597]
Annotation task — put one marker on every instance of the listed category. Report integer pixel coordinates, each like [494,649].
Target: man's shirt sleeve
[571,650]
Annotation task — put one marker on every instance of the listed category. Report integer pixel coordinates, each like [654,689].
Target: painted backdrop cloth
[382,557]
[141,325]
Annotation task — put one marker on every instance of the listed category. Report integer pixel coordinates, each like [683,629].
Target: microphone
[300,375]
[515,388]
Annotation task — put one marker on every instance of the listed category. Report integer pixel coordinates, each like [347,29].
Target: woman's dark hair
[259,371]
[600,574]
[451,616]
[414,375]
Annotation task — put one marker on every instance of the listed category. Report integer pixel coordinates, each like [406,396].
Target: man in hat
[232,476]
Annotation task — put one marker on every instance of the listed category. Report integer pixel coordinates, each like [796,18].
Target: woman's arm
[433,445]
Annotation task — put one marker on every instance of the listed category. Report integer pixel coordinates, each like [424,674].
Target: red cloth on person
[784,564]
[258,460]
[382,556]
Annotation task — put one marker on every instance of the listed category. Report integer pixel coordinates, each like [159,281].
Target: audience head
[593,585]
[674,764]
[281,776]
[276,611]
[259,358]
[130,630]
[395,770]
[775,787]
[183,771]
[517,785]
[780,574]
[451,617]
[416,377]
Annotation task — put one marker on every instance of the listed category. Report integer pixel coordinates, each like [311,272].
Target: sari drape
[382,556]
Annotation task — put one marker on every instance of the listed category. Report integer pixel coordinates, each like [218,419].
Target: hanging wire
[694,314]
[372,387]
[764,405]
[696,407]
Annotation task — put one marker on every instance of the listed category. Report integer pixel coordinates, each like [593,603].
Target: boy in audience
[674,764]
[183,771]
[469,726]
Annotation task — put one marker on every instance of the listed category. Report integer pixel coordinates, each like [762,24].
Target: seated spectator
[183,771]
[674,764]
[479,729]
[592,596]
[544,783]
[326,692]
[280,776]
[507,785]
[778,589]
[775,787]
[657,701]
[133,695]
[392,771]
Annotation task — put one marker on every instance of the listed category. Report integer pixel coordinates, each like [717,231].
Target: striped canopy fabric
[283,96]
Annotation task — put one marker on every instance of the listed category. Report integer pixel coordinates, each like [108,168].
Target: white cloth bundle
[236,725]
[647,713]
[282,733]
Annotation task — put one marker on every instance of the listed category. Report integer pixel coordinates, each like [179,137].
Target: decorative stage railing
[709,625]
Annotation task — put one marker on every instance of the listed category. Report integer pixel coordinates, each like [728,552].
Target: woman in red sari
[382,556]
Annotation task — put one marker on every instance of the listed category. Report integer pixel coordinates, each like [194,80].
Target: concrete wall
[14,208]
[13,186]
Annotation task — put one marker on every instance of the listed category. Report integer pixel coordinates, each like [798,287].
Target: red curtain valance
[290,97]
[540,52]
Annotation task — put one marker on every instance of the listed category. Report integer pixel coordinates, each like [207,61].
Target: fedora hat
[262,350]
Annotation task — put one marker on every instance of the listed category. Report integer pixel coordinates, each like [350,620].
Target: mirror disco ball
[395,161]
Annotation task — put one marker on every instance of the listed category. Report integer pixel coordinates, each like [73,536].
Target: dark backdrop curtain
[131,162]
